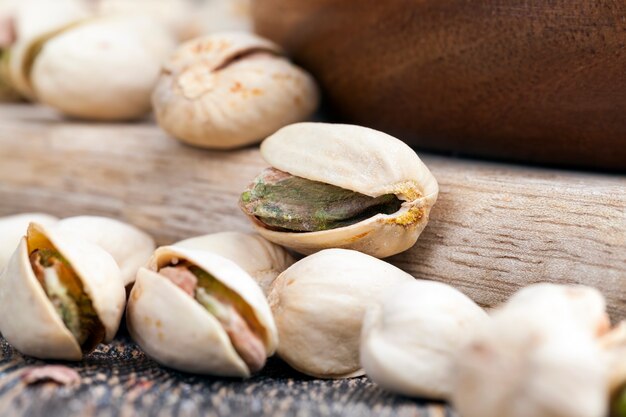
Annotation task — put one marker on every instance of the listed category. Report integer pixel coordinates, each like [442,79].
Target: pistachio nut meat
[411,337]
[59,296]
[199,312]
[230,89]
[319,304]
[12,230]
[260,258]
[130,247]
[340,186]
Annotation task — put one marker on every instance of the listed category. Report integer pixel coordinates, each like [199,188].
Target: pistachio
[59,296]
[32,21]
[123,53]
[319,304]
[340,186]
[12,229]
[261,259]
[411,337]
[199,312]
[579,304]
[532,360]
[130,247]
[230,89]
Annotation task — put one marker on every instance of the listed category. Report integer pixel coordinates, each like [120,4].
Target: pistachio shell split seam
[359,160]
[260,258]
[81,279]
[231,89]
[180,325]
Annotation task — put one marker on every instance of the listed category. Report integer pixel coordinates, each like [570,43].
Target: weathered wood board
[494,229]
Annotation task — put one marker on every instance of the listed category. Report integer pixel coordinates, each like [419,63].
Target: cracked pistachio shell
[12,229]
[33,20]
[28,319]
[130,247]
[262,259]
[319,304]
[177,331]
[357,159]
[102,69]
[411,337]
[526,363]
[230,89]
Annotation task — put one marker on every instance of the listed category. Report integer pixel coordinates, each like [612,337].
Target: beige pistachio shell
[523,363]
[319,304]
[130,247]
[28,320]
[177,331]
[260,258]
[33,21]
[13,228]
[362,160]
[103,69]
[410,338]
[583,305]
[614,345]
[230,89]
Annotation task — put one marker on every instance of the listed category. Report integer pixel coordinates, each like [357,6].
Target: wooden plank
[494,229]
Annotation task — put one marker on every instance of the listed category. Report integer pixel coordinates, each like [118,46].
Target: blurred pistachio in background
[22,22]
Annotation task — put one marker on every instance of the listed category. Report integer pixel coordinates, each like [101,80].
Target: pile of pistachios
[336,197]
[221,304]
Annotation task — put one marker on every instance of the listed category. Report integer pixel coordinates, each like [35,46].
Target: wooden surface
[525,80]
[494,229]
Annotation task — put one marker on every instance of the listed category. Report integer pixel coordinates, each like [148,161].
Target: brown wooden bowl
[537,81]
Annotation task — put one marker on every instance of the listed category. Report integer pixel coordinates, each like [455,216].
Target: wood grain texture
[494,229]
[520,80]
[120,380]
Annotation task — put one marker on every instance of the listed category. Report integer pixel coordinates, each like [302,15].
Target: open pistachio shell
[411,338]
[179,332]
[262,259]
[130,247]
[230,89]
[101,69]
[28,318]
[12,230]
[319,304]
[357,159]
